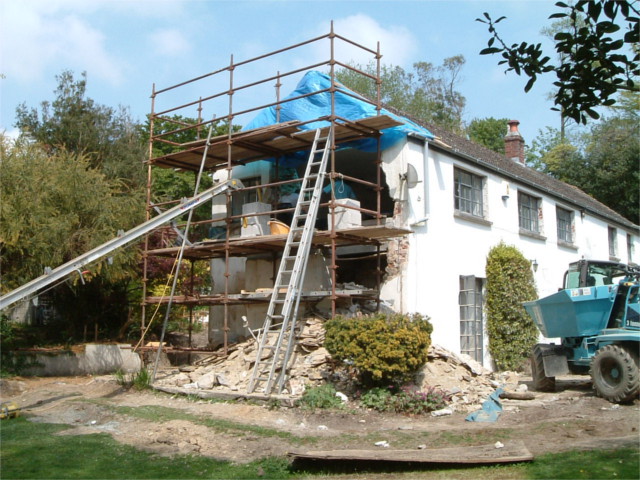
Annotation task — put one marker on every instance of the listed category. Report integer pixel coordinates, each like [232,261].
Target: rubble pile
[309,365]
[468,382]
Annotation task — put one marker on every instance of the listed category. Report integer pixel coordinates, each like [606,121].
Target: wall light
[534,265]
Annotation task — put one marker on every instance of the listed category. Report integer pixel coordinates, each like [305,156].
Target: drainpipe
[425,181]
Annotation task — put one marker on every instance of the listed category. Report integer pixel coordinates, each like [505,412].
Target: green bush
[512,333]
[405,400]
[384,349]
[323,396]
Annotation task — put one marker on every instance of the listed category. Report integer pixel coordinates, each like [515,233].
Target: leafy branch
[598,59]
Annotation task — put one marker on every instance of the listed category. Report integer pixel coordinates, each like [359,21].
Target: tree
[598,59]
[428,93]
[512,333]
[609,168]
[55,207]
[602,162]
[94,155]
[489,132]
[107,137]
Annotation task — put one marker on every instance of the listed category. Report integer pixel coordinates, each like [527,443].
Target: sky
[128,46]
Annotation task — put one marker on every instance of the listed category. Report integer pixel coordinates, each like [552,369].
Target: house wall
[446,246]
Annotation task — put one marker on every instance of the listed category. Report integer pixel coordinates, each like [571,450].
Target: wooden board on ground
[512,452]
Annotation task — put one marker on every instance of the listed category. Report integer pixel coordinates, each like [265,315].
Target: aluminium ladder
[277,336]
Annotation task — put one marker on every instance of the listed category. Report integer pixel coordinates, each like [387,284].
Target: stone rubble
[468,382]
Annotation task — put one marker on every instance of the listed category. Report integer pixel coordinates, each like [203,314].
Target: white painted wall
[444,247]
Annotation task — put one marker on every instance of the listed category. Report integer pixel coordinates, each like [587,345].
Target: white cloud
[39,35]
[169,42]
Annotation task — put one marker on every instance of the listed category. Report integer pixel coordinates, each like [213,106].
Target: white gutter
[425,181]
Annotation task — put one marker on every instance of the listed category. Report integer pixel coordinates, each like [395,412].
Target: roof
[479,154]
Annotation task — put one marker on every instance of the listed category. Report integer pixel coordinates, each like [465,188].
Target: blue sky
[126,46]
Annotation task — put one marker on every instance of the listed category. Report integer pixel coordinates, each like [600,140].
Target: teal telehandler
[596,316]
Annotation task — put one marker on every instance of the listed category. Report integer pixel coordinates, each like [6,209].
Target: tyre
[541,382]
[614,372]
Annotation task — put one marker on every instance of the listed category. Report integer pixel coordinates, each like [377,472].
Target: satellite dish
[411,176]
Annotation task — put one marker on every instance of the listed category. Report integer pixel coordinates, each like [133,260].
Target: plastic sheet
[314,106]
[490,411]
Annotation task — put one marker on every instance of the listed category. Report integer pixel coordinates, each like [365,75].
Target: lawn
[33,450]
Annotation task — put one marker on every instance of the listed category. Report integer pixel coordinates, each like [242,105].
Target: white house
[469,200]
[456,200]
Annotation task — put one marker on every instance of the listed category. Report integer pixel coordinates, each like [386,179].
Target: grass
[33,450]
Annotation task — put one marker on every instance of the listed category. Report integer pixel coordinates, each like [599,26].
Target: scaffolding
[233,102]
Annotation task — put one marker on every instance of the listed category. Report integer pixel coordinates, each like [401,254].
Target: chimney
[514,143]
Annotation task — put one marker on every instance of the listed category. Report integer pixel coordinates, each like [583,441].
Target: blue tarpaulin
[490,411]
[346,106]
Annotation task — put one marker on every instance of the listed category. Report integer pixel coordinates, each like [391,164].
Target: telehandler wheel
[614,372]
[541,382]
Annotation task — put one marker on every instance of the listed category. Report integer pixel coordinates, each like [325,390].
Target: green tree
[428,93]
[107,146]
[107,137]
[512,333]
[609,169]
[489,132]
[598,57]
[55,207]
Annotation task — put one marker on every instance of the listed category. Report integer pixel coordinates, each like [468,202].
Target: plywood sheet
[512,452]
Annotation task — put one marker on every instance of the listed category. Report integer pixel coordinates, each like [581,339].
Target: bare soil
[570,418]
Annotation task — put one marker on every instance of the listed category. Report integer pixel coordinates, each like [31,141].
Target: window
[630,252]
[613,242]
[564,220]
[468,193]
[528,207]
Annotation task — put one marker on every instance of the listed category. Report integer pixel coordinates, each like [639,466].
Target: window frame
[534,213]
[569,233]
[612,234]
[473,204]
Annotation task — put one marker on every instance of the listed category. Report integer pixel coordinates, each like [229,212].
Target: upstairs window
[564,219]
[528,208]
[613,242]
[468,193]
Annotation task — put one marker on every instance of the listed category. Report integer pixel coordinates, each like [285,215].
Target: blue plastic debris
[490,411]
[308,106]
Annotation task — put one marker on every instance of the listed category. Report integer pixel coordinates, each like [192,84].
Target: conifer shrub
[383,349]
[512,333]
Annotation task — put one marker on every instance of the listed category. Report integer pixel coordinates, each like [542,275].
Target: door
[470,300]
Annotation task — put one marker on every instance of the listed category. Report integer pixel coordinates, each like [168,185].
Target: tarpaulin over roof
[346,106]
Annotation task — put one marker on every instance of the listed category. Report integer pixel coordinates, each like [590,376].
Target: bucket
[8,410]
[278,228]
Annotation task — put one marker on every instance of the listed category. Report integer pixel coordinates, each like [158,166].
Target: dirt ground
[571,418]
